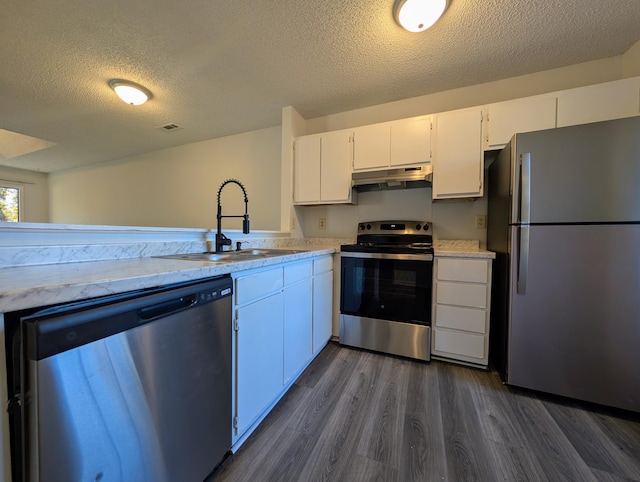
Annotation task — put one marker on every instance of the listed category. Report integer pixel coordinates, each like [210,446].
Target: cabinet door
[371,147]
[458,157]
[306,170]
[322,309]
[298,327]
[335,172]
[600,102]
[504,119]
[411,141]
[259,358]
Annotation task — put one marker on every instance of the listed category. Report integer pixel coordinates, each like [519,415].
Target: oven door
[385,303]
[387,286]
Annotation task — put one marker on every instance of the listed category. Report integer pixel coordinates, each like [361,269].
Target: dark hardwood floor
[358,416]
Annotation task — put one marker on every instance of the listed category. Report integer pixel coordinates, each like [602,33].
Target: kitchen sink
[231,256]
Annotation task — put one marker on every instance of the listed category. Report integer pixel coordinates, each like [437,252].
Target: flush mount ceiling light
[418,15]
[130,92]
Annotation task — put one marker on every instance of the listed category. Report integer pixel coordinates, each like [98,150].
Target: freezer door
[575,328]
[578,174]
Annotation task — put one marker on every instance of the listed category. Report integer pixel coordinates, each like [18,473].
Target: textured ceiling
[221,67]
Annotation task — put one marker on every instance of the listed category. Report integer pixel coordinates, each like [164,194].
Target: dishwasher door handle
[167,307]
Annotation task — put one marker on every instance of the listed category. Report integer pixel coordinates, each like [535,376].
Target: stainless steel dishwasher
[133,387]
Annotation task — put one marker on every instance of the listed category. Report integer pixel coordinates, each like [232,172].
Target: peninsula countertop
[23,287]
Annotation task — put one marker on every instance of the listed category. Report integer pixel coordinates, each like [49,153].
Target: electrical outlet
[481,221]
[293,223]
[322,224]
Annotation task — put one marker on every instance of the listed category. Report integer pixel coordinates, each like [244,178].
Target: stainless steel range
[386,285]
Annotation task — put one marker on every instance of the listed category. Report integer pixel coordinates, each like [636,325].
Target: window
[9,203]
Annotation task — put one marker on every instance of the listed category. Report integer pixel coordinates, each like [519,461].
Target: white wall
[34,188]
[452,219]
[342,220]
[177,186]
[631,61]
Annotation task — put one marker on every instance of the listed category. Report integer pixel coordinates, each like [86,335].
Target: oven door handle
[394,256]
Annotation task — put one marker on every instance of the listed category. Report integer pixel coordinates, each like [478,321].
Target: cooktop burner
[397,236]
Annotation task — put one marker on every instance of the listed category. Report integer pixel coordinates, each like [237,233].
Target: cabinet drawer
[464,344]
[468,270]
[320,265]
[460,294]
[257,285]
[297,272]
[458,318]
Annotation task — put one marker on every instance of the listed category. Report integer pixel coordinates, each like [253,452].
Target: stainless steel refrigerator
[564,221]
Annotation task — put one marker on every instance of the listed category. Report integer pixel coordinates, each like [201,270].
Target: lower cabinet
[260,358]
[298,319]
[322,302]
[460,321]
[282,318]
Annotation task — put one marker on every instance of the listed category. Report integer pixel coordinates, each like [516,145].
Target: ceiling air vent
[169,127]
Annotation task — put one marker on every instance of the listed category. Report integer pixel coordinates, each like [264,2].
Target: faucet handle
[238,244]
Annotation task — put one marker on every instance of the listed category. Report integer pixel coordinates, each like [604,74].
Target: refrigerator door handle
[525,188]
[523,260]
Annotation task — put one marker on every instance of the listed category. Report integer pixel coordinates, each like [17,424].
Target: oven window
[387,289]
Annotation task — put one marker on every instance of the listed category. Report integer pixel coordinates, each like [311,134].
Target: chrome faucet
[221,239]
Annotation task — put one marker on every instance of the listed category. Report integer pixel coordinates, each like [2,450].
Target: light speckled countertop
[40,285]
[45,284]
[461,249]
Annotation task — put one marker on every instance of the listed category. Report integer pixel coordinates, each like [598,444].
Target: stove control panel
[395,227]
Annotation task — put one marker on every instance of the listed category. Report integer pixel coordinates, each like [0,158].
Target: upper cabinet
[306,170]
[458,167]
[371,147]
[410,141]
[453,141]
[322,169]
[504,119]
[600,102]
[387,145]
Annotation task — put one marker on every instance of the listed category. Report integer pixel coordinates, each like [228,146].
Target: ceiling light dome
[418,15]
[130,92]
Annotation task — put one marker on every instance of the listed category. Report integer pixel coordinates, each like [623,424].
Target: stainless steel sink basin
[231,256]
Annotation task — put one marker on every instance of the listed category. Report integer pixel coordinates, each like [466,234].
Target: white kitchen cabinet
[599,102]
[410,141]
[458,159]
[322,301]
[306,170]
[282,319]
[460,321]
[405,142]
[298,317]
[322,169]
[259,358]
[371,147]
[504,119]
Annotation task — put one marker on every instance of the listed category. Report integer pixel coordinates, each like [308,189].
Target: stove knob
[361,227]
[426,227]
[368,226]
[418,227]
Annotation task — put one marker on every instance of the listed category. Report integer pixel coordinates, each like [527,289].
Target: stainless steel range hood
[402,178]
